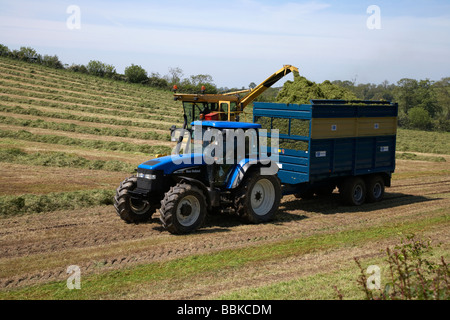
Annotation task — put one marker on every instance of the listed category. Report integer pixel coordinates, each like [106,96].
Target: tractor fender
[212,196]
[238,173]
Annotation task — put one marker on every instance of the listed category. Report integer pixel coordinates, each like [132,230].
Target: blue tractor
[204,175]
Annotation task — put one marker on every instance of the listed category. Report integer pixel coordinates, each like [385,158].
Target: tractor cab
[221,144]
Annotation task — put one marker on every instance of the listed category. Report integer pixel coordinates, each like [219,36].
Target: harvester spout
[267,84]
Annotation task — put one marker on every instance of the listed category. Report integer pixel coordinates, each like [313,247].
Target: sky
[241,41]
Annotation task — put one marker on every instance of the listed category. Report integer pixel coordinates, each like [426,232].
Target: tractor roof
[226,124]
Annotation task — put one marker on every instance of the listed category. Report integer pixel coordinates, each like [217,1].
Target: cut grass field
[423,141]
[66,142]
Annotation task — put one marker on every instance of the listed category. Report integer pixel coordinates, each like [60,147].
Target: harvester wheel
[129,209]
[183,209]
[258,198]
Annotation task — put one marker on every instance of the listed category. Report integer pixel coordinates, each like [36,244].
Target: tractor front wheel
[183,209]
[129,209]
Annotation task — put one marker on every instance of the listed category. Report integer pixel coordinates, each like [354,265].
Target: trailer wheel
[132,210]
[258,198]
[183,209]
[375,188]
[354,191]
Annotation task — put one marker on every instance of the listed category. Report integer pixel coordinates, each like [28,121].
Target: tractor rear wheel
[183,209]
[129,209]
[258,198]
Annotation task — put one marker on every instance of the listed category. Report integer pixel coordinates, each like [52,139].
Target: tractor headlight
[146,176]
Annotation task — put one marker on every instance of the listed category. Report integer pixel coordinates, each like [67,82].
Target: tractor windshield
[192,110]
[225,145]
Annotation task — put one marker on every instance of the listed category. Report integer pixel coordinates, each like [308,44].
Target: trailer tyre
[375,189]
[258,198]
[354,191]
[183,209]
[132,210]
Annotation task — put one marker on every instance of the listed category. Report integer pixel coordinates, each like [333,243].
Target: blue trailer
[322,145]
[333,143]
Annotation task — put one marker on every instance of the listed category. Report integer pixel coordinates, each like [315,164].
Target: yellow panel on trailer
[369,127]
[332,128]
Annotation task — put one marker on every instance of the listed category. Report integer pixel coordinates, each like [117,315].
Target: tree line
[133,73]
[423,104]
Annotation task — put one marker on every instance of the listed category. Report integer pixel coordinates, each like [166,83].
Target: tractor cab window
[228,147]
[225,145]
[213,107]
[193,110]
[224,107]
